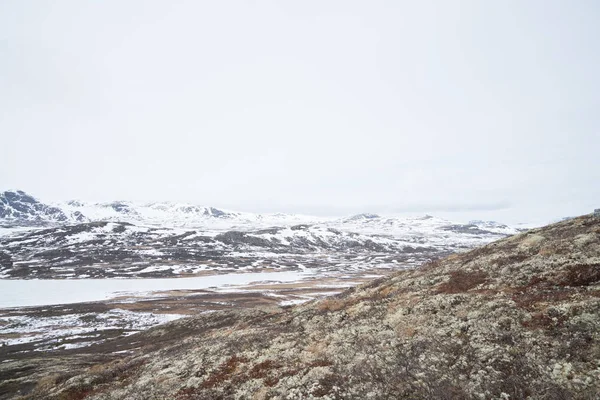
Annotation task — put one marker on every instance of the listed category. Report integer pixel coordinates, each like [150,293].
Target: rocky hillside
[519,318]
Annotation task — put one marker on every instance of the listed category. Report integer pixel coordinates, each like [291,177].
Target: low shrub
[462,281]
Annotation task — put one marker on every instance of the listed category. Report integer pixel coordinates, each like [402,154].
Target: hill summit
[16,205]
[518,318]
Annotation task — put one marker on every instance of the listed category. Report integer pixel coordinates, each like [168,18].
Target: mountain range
[126,239]
[19,208]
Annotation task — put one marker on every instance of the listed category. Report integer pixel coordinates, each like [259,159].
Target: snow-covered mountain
[179,215]
[20,208]
[127,239]
[425,229]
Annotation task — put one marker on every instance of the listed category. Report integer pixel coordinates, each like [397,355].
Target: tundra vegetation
[518,318]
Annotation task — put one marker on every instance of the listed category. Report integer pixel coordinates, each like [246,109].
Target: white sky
[487,109]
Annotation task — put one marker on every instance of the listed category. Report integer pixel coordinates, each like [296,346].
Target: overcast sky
[486,109]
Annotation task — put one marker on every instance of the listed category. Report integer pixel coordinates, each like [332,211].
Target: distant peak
[18,195]
[17,205]
[214,212]
[363,216]
[16,191]
[491,224]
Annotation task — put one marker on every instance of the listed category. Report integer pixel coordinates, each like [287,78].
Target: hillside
[518,318]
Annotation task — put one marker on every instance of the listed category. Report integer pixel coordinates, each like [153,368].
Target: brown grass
[223,372]
[431,265]
[407,331]
[511,259]
[75,394]
[530,299]
[101,374]
[581,275]
[322,362]
[261,370]
[332,304]
[543,321]
[188,393]
[462,281]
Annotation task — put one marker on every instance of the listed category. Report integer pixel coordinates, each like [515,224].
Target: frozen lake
[25,293]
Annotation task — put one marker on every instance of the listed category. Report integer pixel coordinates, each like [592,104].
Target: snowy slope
[420,229]
[180,215]
[17,208]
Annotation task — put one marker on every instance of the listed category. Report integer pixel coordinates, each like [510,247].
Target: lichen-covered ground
[519,318]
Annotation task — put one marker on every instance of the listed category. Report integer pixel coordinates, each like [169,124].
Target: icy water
[25,293]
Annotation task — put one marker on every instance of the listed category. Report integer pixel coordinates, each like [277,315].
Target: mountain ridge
[19,208]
